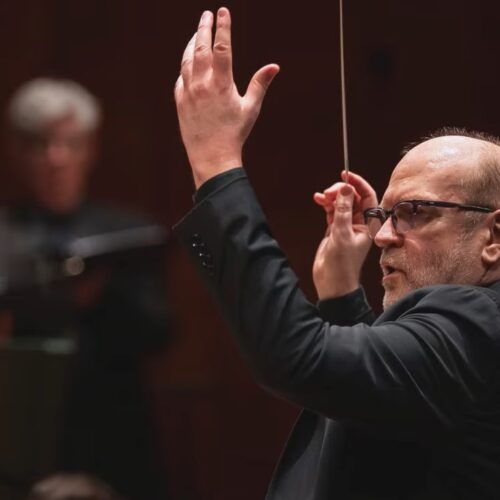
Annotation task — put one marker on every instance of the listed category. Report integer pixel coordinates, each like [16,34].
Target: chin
[393,296]
[387,302]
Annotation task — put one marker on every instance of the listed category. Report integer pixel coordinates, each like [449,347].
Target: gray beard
[435,269]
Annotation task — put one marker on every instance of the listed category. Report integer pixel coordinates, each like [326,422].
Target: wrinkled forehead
[435,170]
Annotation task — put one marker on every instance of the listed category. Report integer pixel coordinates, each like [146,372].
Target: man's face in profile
[439,249]
[55,164]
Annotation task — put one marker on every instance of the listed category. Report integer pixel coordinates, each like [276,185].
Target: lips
[389,268]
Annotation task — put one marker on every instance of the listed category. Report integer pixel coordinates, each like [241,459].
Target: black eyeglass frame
[382,214]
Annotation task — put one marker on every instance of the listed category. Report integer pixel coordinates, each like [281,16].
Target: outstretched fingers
[222,51]
[187,62]
[214,119]
[202,59]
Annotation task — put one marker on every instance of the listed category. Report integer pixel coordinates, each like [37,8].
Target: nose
[387,236]
[56,154]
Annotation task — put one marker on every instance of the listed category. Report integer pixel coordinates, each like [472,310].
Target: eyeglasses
[404,214]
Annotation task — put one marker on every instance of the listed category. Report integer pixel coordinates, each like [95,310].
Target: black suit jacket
[405,408]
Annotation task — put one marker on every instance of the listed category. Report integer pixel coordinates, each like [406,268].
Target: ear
[490,254]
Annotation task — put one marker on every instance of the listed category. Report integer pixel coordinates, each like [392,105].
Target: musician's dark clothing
[406,407]
[108,430]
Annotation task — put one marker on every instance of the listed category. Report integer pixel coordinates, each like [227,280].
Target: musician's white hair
[43,100]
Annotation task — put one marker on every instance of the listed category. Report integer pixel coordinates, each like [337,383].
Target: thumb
[342,217]
[259,84]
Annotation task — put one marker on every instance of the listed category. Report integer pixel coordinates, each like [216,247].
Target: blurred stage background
[411,68]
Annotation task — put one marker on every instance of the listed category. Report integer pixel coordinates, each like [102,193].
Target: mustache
[392,261]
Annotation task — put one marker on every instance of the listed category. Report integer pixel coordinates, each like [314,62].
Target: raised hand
[214,119]
[343,250]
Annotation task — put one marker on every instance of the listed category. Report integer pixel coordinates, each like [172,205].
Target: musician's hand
[214,119]
[343,250]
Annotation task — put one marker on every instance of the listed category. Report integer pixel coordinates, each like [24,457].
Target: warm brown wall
[412,66]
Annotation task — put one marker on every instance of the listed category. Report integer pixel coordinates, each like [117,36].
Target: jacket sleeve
[347,310]
[427,361]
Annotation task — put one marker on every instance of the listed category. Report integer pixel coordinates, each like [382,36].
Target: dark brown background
[412,67]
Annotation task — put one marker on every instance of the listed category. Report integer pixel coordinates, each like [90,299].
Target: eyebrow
[382,204]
